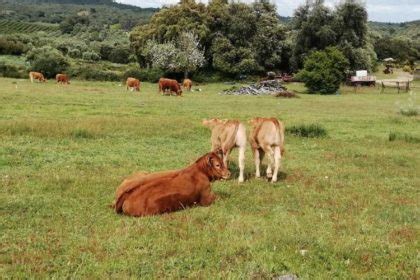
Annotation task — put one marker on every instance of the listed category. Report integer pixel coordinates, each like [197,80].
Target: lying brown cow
[267,137]
[36,76]
[133,84]
[171,85]
[226,135]
[62,78]
[168,191]
[187,84]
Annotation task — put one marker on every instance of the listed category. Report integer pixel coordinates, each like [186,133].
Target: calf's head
[215,167]
[212,122]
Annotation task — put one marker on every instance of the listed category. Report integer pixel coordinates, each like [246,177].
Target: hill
[409,30]
[101,12]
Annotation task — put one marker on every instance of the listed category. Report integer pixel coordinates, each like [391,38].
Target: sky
[379,10]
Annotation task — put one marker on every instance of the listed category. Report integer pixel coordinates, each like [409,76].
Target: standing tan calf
[267,137]
[36,76]
[187,84]
[226,135]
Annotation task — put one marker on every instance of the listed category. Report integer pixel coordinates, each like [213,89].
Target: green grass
[350,199]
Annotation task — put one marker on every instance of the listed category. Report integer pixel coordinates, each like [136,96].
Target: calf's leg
[270,153]
[258,156]
[277,162]
[241,162]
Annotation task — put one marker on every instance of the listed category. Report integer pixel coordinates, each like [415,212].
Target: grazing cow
[187,84]
[226,135]
[267,137]
[156,193]
[36,76]
[171,85]
[62,78]
[133,84]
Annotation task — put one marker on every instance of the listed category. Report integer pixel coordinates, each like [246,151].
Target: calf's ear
[219,152]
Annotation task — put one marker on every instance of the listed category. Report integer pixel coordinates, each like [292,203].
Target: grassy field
[346,205]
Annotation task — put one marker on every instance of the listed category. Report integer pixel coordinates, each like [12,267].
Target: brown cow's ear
[209,163]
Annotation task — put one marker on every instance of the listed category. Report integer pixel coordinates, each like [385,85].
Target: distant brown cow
[36,76]
[171,85]
[133,83]
[226,135]
[62,78]
[267,137]
[168,191]
[187,84]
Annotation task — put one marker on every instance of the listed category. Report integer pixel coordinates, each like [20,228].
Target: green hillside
[409,30]
[11,27]
[100,12]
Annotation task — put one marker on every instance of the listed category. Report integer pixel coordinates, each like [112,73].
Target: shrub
[409,112]
[407,68]
[93,74]
[324,71]
[47,60]
[12,71]
[403,137]
[119,55]
[91,56]
[75,53]
[10,46]
[309,131]
[148,75]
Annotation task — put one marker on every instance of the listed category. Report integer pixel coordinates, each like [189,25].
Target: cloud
[379,10]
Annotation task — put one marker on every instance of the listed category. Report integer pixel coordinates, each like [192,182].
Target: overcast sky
[379,10]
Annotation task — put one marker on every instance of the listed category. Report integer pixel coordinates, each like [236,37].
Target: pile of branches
[269,87]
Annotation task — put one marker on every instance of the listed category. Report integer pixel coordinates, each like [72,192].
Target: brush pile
[269,87]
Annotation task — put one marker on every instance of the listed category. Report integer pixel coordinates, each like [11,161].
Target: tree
[234,37]
[324,70]
[318,27]
[47,60]
[185,55]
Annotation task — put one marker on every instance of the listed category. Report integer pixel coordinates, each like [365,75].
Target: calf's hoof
[240,179]
[269,175]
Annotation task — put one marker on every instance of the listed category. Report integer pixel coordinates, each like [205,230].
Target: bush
[93,74]
[75,53]
[12,71]
[403,137]
[119,55]
[91,56]
[407,68]
[309,131]
[148,75]
[324,71]
[10,46]
[409,112]
[209,77]
[48,61]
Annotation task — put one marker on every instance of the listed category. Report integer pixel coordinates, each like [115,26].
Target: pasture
[346,205]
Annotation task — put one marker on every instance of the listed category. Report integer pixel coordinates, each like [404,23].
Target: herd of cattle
[165,85]
[146,194]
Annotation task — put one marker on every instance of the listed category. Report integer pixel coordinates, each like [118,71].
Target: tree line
[237,38]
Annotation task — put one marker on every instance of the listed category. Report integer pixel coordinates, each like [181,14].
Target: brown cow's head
[215,167]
